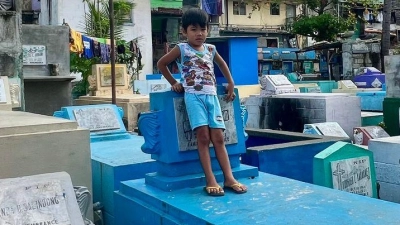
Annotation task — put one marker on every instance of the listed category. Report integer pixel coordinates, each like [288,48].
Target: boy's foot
[237,187]
[214,191]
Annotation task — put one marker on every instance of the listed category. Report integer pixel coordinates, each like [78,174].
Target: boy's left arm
[227,74]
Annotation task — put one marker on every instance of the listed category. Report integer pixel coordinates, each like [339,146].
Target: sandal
[233,186]
[208,191]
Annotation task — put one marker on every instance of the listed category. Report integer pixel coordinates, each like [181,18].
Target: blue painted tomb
[174,194]
[116,154]
[372,100]
[286,154]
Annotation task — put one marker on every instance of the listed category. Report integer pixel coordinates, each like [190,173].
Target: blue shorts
[204,110]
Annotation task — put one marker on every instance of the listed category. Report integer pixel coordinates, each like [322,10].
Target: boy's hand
[230,96]
[177,87]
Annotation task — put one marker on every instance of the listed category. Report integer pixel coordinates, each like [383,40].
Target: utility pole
[385,40]
[112,39]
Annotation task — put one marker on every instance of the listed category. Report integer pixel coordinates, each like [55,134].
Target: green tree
[97,24]
[97,18]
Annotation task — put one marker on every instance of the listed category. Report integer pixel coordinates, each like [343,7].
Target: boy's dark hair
[194,16]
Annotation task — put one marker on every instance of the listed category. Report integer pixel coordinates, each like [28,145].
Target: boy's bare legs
[217,138]
[203,142]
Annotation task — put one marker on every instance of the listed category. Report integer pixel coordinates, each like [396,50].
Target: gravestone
[39,199]
[276,84]
[115,153]
[331,129]
[5,97]
[362,135]
[100,80]
[387,159]
[100,92]
[187,137]
[346,84]
[346,167]
[176,155]
[99,119]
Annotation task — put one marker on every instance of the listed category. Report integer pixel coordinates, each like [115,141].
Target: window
[239,8]
[272,42]
[274,9]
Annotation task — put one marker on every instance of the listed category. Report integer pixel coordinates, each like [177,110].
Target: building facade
[73,12]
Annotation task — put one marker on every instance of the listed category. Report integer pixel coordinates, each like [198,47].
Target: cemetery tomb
[372,100]
[371,118]
[347,86]
[391,103]
[387,158]
[332,129]
[162,197]
[276,84]
[289,112]
[100,89]
[28,147]
[283,153]
[116,154]
[177,158]
[39,199]
[362,135]
[346,167]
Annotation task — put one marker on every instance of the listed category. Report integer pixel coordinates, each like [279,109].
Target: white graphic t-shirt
[197,69]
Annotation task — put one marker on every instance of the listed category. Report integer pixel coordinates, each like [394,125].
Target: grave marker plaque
[352,175]
[332,129]
[41,203]
[346,167]
[348,84]
[97,119]
[34,54]
[187,138]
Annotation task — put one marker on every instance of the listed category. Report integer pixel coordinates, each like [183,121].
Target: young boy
[195,59]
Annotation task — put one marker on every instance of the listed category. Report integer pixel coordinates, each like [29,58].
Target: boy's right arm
[162,66]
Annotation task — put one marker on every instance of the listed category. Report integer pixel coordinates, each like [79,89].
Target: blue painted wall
[295,162]
[240,53]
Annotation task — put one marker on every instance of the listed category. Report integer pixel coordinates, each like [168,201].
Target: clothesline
[90,47]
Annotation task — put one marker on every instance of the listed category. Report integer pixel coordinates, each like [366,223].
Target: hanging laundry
[379,17]
[77,44]
[213,7]
[121,49]
[88,47]
[96,48]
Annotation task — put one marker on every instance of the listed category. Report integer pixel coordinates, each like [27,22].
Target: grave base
[270,200]
[391,115]
[175,183]
[114,161]
[371,118]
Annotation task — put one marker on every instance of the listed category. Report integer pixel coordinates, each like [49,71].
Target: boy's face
[196,35]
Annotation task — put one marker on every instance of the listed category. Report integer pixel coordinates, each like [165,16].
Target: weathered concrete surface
[39,84]
[56,40]
[131,104]
[33,144]
[360,54]
[11,47]
[392,76]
